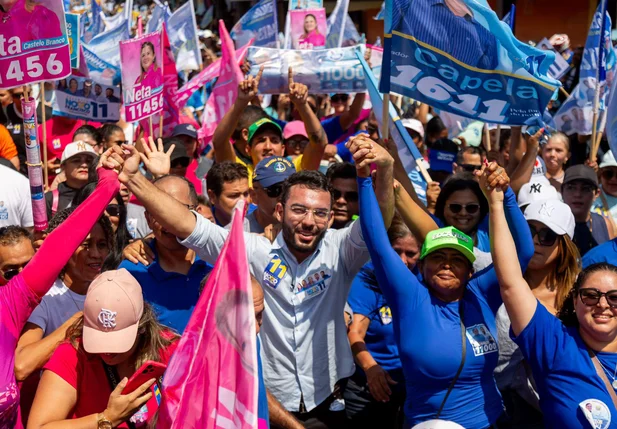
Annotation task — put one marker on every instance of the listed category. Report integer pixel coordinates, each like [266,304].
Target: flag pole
[385,126]
[600,76]
[44,117]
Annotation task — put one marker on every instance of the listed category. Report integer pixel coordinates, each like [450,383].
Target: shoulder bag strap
[461,313]
[600,371]
[112,378]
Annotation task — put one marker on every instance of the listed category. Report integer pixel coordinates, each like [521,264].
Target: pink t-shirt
[314,39]
[152,78]
[41,23]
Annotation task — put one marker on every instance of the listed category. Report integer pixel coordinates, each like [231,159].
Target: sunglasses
[182,162]
[546,237]
[274,191]
[469,208]
[9,274]
[339,98]
[296,143]
[113,210]
[591,297]
[609,174]
[352,196]
[470,168]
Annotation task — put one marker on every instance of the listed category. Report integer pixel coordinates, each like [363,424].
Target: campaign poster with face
[142,76]
[34,46]
[309,28]
[72,30]
[83,98]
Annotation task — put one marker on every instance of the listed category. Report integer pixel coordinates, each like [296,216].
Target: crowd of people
[486,297]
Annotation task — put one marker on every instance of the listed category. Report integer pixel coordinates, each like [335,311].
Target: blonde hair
[561,136]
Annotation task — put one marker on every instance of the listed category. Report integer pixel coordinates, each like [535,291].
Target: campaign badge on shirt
[314,284]
[4,212]
[385,314]
[481,340]
[596,412]
[16,128]
[56,143]
[274,272]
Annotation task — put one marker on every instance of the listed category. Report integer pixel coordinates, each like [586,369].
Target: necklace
[614,376]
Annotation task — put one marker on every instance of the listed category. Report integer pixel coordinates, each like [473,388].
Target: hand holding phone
[147,371]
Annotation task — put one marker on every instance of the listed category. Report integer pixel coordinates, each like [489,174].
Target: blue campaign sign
[473,67]
[101,70]
[72,31]
[260,23]
[81,98]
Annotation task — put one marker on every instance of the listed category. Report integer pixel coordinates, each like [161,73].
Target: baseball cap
[581,172]
[112,310]
[554,214]
[273,170]
[608,160]
[77,148]
[414,125]
[262,124]
[539,189]
[179,150]
[294,128]
[448,238]
[185,130]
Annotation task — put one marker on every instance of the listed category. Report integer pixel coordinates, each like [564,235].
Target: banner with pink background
[142,76]
[35,166]
[309,28]
[34,46]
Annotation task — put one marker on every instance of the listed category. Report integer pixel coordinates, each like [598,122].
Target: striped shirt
[432,22]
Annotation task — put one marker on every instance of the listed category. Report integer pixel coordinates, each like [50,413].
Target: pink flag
[140,26]
[225,90]
[206,75]
[82,71]
[211,380]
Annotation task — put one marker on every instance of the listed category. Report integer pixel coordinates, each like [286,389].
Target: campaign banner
[206,75]
[611,125]
[305,4]
[142,76]
[323,71]
[560,66]
[308,28]
[72,31]
[103,54]
[35,170]
[182,32]
[101,70]
[259,23]
[96,25]
[34,46]
[160,14]
[82,98]
[478,70]
[336,24]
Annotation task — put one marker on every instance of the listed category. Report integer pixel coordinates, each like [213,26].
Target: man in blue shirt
[171,282]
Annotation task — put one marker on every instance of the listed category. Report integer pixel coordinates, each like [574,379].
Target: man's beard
[288,236]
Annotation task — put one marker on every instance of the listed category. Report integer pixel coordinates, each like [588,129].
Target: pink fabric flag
[140,26]
[225,90]
[206,75]
[211,380]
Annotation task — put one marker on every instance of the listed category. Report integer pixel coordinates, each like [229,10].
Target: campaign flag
[207,18]
[308,28]
[212,380]
[259,23]
[510,16]
[323,71]
[81,98]
[142,76]
[382,12]
[336,24]
[576,113]
[206,75]
[34,47]
[160,14]
[72,31]
[225,90]
[99,69]
[103,54]
[112,21]
[560,66]
[478,70]
[97,25]
[611,126]
[182,32]
[305,4]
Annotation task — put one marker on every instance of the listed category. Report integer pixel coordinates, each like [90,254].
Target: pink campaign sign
[34,46]
[142,76]
[309,28]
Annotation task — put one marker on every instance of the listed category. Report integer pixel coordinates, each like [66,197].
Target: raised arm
[522,173]
[419,222]
[318,140]
[247,90]
[350,116]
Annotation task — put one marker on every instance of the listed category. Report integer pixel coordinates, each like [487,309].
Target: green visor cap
[448,238]
[262,123]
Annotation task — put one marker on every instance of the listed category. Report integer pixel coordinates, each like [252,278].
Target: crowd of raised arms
[483,298]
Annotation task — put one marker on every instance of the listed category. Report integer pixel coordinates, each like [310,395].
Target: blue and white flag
[560,66]
[113,21]
[160,15]
[336,24]
[576,113]
[101,70]
[472,67]
[611,124]
[182,33]
[103,54]
[96,26]
[509,17]
[259,23]
[382,12]
[207,18]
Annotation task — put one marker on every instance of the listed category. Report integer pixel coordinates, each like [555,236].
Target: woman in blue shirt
[444,325]
[573,360]
[375,393]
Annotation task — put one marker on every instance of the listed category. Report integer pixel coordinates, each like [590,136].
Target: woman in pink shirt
[312,37]
[28,20]
[151,74]
[24,291]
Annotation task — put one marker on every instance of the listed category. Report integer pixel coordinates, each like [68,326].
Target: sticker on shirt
[274,272]
[385,314]
[596,412]
[481,340]
[314,284]
[4,212]
[56,143]
[16,128]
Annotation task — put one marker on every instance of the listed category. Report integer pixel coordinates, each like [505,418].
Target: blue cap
[441,160]
[273,170]
[184,130]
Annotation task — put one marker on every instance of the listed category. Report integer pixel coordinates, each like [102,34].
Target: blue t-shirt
[366,298]
[482,237]
[606,252]
[570,389]
[428,330]
[262,397]
[173,295]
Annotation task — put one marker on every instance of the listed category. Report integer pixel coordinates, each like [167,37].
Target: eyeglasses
[586,189]
[320,215]
[9,274]
[469,208]
[470,168]
[274,191]
[609,174]
[182,162]
[113,210]
[591,297]
[351,197]
[546,236]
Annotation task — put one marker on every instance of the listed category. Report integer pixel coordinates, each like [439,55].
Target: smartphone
[147,371]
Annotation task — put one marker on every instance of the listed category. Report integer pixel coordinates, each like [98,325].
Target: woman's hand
[248,88]
[494,181]
[112,159]
[365,152]
[131,164]
[121,407]
[379,382]
[156,160]
[138,252]
[432,194]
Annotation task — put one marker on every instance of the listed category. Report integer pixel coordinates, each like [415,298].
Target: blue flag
[382,12]
[103,54]
[336,24]
[472,67]
[96,26]
[182,33]
[260,23]
[160,15]
[611,125]
[100,70]
[509,17]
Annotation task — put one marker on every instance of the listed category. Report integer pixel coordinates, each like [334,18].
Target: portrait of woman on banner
[311,38]
[151,74]
[28,20]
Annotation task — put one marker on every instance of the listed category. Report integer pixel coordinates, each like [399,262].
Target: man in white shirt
[306,274]
[15,202]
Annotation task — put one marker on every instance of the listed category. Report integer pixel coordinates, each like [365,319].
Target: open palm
[156,160]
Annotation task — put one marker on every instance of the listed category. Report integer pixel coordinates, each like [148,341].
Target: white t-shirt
[15,202]
[56,307]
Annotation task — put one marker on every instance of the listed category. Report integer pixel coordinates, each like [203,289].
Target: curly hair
[13,234]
